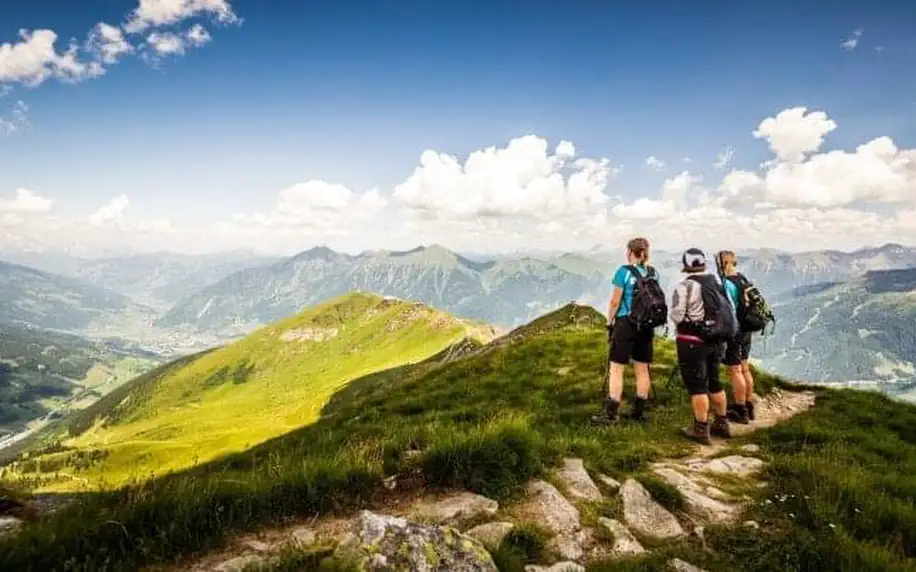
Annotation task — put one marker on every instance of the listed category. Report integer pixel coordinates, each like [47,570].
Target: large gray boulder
[646,516]
[390,543]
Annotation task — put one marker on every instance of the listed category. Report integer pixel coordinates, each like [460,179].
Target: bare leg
[700,404]
[719,403]
[642,379]
[739,385]
[748,379]
[615,381]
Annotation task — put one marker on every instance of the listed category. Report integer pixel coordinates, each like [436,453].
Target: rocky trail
[456,530]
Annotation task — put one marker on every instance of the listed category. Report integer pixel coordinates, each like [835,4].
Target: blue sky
[352,92]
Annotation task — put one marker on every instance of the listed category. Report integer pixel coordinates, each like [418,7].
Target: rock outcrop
[646,516]
[393,543]
[577,481]
[456,508]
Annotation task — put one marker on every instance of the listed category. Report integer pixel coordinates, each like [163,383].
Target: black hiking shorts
[738,349]
[629,343]
[699,365]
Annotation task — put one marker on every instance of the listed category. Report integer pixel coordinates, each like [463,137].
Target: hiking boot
[720,428]
[638,412]
[608,414]
[699,432]
[738,413]
[750,410]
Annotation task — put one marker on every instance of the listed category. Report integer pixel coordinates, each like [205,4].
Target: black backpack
[753,311]
[719,321]
[649,309]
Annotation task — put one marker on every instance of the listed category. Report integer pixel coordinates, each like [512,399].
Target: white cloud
[724,158]
[155,13]
[27,202]
[519,180]
[794,132]
[17,120]
[107,43]
[523,195]
[852,42]
[111,212]
[655,163]
[34,58]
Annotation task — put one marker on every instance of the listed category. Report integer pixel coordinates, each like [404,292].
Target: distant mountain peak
[321,252]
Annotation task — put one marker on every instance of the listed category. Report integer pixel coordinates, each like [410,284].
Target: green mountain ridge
[861,329]
[837,489]
[179,416]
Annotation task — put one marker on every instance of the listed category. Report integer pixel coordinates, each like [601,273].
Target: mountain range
[176,304]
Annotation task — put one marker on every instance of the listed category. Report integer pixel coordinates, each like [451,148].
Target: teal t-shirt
[626,281]
[731,289]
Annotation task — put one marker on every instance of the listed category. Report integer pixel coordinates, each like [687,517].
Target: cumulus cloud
[655,163]
[795,132]
[26,202]
[529,194]
[521,179]
[36,56]
[155,13]
[852,42]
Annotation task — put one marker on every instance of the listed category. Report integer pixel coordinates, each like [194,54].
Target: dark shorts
[699,365]
[627,342]
[738,349]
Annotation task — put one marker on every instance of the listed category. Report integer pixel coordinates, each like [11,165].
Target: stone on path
[646,516]
[558,567]
[492,533]
[572,546]
[239,563]
[750,448]
[303,536]
[392,543]
[679,565]
[734,465]
[609,482]
[578,483]
[551,509]
[455,508]
[9,524]
[698,503]
[625,544]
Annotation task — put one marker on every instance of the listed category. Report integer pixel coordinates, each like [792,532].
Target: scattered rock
[303,536]
[698,504]
[558,567]
[680,566]
[551,509]
[751,524]
[572,546]
[309,334]
[609,482]
[455,508]
[393,543]
[492,533]
[625,544]
[391,482]
[9,524]
[735,465]
[578,483]
[646,516]
[257,545]
[751,448]
[239,563]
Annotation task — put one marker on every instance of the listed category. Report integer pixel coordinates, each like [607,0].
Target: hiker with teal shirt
[637,306]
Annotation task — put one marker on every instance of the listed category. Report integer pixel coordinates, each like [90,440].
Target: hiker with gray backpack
[705,321]
[637,306]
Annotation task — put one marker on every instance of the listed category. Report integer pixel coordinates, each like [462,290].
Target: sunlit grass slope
[273,381]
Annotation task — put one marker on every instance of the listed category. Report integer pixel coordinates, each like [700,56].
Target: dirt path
[778,406]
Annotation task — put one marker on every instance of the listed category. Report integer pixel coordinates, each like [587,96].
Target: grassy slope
[192,413]
[490,422]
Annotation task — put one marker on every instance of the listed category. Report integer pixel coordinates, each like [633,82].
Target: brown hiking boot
[608,414]
[720,428]
[738,413]
[699,432]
